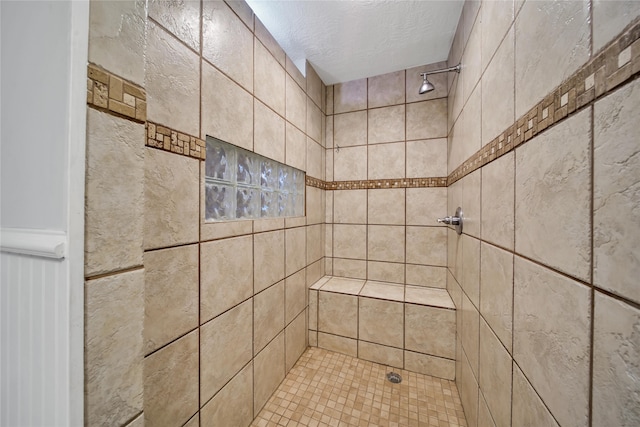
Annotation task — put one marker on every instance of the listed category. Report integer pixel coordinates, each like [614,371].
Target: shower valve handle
[452,220]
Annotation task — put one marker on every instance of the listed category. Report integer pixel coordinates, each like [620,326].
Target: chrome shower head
[427,86]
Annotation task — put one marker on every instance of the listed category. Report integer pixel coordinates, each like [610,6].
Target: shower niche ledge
[403,326]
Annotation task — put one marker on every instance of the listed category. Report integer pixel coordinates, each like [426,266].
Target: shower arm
[444,70]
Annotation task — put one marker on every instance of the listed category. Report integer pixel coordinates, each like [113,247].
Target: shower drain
[394,377]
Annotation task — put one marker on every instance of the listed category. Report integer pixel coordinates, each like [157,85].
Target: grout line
[114,273]
[591,260]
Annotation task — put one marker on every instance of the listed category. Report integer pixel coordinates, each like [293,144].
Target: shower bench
[403,326]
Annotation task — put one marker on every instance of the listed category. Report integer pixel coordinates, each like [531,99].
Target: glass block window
[240,184]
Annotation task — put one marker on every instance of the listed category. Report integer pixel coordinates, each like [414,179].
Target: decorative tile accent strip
[612,66]
[167,139]
[377,183]
[116,95]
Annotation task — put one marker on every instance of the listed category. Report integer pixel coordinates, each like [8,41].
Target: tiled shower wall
[386,172]
[545,275]
[189,322]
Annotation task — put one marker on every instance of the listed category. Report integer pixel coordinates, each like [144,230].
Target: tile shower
[192,323]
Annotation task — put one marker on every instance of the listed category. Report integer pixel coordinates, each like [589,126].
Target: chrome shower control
[454,220]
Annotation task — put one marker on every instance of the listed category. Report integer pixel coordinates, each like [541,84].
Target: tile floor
[325,388]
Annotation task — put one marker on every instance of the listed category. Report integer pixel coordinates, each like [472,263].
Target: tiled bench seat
[408,327]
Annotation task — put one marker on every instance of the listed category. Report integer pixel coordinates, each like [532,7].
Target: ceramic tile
[265,37]
[268,315]
[381,322]
[386,291]
[471,268]
[427,119]
[551,338]
[295,249]
[425,205]
[295,340]
[610,18]
[468,392]
[114,179]
[386,206]
[314,85]
[171,382]
[429,365]
[314,122]
[269,133]
[233,405]
[553,181]
[616,190]
[227,43]
[222,355]
[382,354]
[338,344]
[356,269]
[386,89]
[497,17]
[527,408]
[269,85]
[182,19]
[338,314]
[425,275]
[268,372]
[170,294]
[497,206]
[496,291]
[438,338]
[268,265]
[471,198]
[295,147]
[385,124]
[427,245]
[343,285]
[385,271]
[386,161]
[386,243]
[349,165]
[495,376]
[350,96]
[470,333]
[296,104]
[429,296]
[350,241]
[427,157]
[295,295]
[350,129]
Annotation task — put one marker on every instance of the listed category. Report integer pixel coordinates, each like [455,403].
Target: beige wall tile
[315,161]
[242,9]
[470,332]
[343,285]
[386,243]
[182,19]
[551,338]
[427,119]
[468,387]
[430,365]
[328,133]
[295,340]
[414,81]
[350,96]
[296,103]
[350,129]
[227,43]
[172,82]
[616,189]
[313,338]
[314,85]
[615,368]
[425,205]
[264,36]
[385,271]
[171,199]
[268,372]
[471,197]
[542,45]
[315,243]
[498,193]
[356,269]
[496,291]
[386,161]
[139,421]
[553,181]
[269,79]
[427,245]
[314,272]
[295,247]
[484,416]
[171,383]
[498,103]
[527,408]
[386,89]
[117,38]
[114,193]
[315,208]
[338,344]
[113,351]
[385,124]
[268,128]
[233,405]
[313,309]
[226,275]
[268,266]
[386,206]
[295,147]
[350,241]
[314,121]
[427,158]
[380,354]
[295,295]
[495,375]
[229,121]
[225,347]
[349,164]
[497,17]
[454,253]
[170,295]
[472,124]
[472,60]
[350,206]
[381,321]
[430,330]
[293,71]
[338,314]
[610,18]
[424,275]
[471,268]
[268,315]
[267,224]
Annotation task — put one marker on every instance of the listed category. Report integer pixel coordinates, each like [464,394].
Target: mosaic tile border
[377,183]
[173,141]
[615,64]
[110,92]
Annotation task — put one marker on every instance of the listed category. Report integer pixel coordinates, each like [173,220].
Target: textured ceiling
[351,39]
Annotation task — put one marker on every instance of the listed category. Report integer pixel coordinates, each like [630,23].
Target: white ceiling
[351,39]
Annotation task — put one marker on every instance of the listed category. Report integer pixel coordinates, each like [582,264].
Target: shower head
[427,86]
